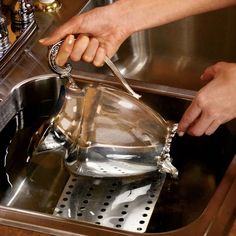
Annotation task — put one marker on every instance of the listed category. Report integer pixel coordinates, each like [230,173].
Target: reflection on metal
[139,48]
[99,125]
[52,54]
[177,63]
[4,39]
[105,132]
[18,190]
[17,44]
[118,74]
[47,5]
[117,203]
[47,178]
[22,13]
[21,25]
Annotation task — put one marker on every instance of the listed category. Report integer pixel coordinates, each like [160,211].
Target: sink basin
[34,190]
[175,54]
[36,196]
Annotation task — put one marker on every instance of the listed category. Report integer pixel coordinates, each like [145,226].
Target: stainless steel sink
[34,190]
[176,54]
[164,65]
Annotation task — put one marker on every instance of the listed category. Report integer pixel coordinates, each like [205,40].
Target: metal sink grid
[119,203]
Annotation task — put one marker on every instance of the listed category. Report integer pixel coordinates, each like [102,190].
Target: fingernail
[42,40]
[98,63]
[71,39]
[181,134]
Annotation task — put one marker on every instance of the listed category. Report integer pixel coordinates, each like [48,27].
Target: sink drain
[118,203]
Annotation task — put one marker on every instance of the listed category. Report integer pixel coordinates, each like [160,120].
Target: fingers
[208,74]
[80,46]
[211,71]
[197,124]
[212,127]
[199,119]
[201,125]
[190,115]
[65,50]
[70,27]
[99,57]
[91,50]
[88,49]
[84,48]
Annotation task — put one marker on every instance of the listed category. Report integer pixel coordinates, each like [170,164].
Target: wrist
[124,14]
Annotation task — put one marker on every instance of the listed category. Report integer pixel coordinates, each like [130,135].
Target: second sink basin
[175,54]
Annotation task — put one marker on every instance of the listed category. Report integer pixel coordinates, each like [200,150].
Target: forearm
[143,14]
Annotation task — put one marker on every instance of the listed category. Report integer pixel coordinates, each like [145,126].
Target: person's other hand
[214,104]
[99,32]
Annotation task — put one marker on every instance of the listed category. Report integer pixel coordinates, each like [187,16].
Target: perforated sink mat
[118,203]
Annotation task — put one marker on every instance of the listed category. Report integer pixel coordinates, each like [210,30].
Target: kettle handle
[65,71]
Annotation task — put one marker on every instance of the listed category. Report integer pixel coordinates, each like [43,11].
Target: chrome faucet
[17,24]
[22,13]
[4,39]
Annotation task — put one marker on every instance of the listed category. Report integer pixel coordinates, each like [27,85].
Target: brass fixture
[47,5]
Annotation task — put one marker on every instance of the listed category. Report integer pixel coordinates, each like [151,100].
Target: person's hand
[214,104]
[99,32]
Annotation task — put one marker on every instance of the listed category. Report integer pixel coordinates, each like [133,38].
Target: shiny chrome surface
[36,185]
[4,37]
[126,204]
[16,30]
[64,71]
[104,132]
[118,74]
[102,126]
[22,13]
[177,54]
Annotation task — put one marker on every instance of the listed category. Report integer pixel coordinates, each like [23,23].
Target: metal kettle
[105,132]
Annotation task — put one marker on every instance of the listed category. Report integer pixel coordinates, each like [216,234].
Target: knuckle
[83,37]
[211,113]
[98,63]
[75,57]
[185,121]
[195,132]
[94,40]
[200,100]
[213,128]
[87,58]
[219,64]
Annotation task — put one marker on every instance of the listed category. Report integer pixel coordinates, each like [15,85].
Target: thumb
[70,27]
[208,74]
